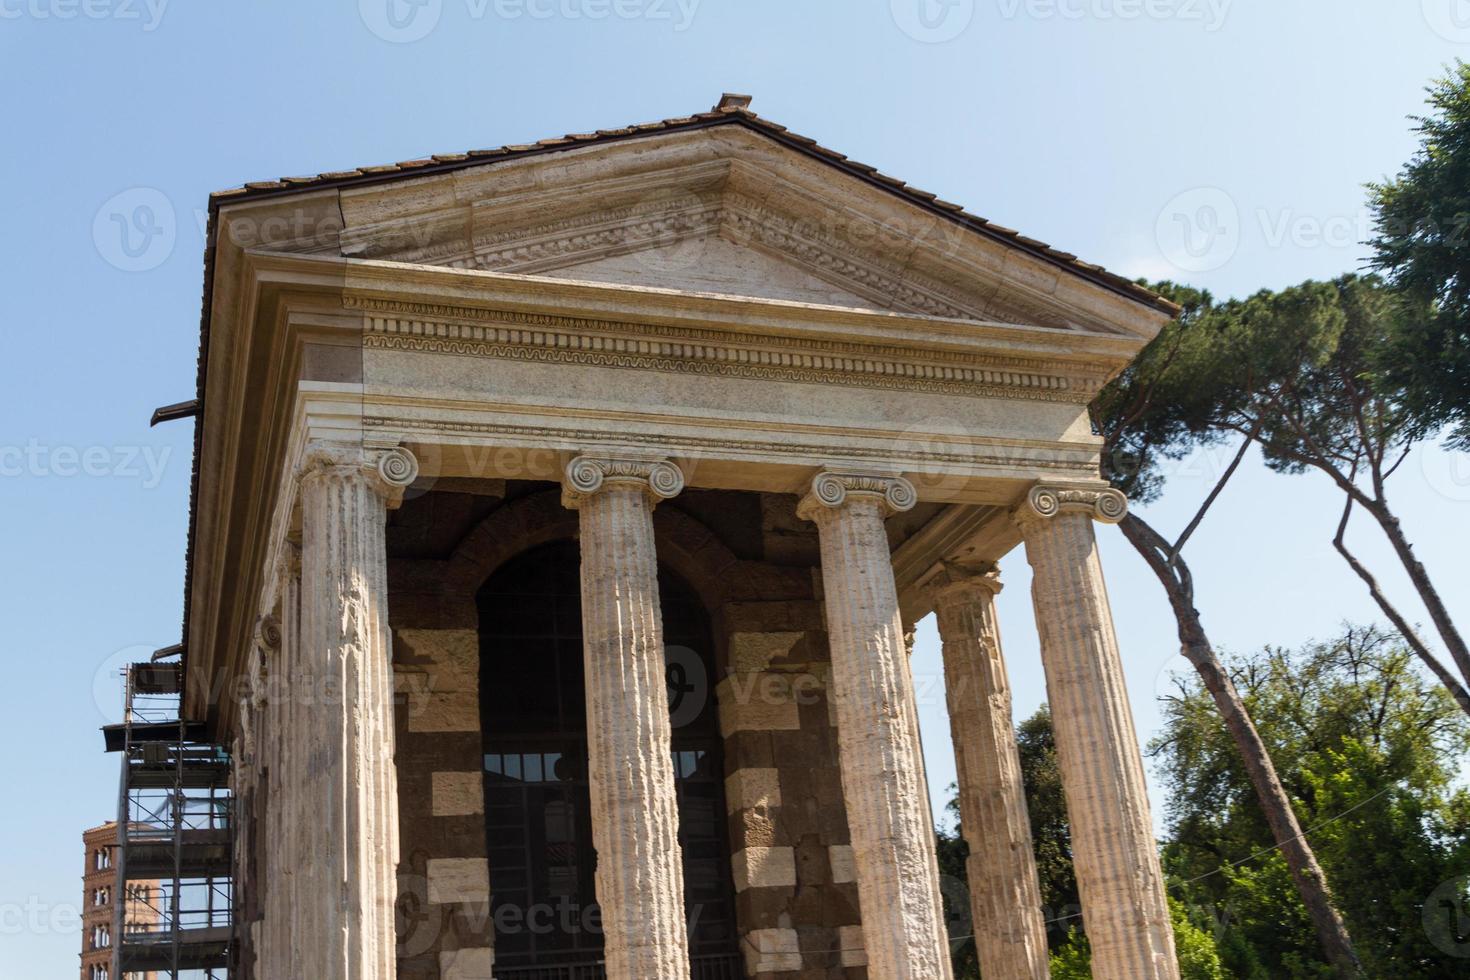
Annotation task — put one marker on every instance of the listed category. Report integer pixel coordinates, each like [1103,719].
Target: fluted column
[281,854]
[877,728]
[635,815]
[348,876]
[1113,846]
[1005,894]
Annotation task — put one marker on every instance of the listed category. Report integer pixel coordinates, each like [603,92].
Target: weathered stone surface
[878,733]
[1005,894]
[840,859]
[458,793]
[750,788]
[635,819]
[764,867]
[348,878]
[467,964]
[437,676]
[772,951]
[1117,860]
[458,880]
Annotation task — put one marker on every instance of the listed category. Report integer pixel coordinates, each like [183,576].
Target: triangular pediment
[727,210]
[708,263]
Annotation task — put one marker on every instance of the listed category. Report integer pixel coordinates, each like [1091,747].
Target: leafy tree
[1298,373]
[1372,750]
[1152,413]
[1422,243]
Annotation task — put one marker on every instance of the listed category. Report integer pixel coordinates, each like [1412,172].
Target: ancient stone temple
[559,514]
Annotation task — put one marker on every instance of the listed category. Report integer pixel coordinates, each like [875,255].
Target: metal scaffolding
[174,838]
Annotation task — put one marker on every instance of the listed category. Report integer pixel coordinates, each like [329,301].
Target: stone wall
[755,564]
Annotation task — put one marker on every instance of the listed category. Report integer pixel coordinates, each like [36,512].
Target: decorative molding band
[564,340]
[694,446]
[831,491]
[1043,503]
[587,475]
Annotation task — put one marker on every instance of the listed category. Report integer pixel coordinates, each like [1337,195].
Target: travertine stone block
[458,880]
[840,859]
[750,788]
[1117,860]
[1005,894]
[747,703]
[772,951]
[457,794]
[851,951]
[764,867]
[635,819]
[437,677]
[878,731]
[754,652]
[467,964]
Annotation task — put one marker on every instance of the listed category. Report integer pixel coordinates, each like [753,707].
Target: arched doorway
[537,812]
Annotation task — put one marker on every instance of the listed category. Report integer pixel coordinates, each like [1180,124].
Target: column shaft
[635,815]
[1118,874]
[1005,894]
[348,877]
[877,727]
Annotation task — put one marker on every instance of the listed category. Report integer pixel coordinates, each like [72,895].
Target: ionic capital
[589,475]
[388,470]
[268,633]
[1045,502]
[832,491]
[949,578]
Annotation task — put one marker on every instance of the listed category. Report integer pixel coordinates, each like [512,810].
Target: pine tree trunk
[1438,614]
[1310,881]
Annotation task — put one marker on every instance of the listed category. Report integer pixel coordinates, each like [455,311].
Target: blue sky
[1216,142]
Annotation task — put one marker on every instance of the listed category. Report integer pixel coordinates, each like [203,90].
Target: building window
[99,972]
[101,937]
[100,896]
[102,859]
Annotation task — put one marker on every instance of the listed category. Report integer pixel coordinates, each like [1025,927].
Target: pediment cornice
[549,216]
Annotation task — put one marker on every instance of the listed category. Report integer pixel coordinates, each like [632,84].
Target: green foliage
[1369,751]
[1194,946]
[1073,959]
[1299,370]
[1422,243]
[1050,833]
